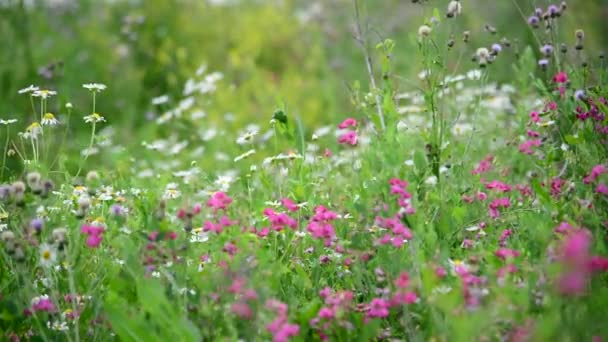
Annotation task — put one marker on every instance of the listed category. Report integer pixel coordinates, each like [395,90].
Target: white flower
[44,93]
[7,122]
[94,118]
[32,131]
[223,182]
[409,162]
[199,236]
[171,191]
[58,326]
[461,128]
[49,119]
[474,74]
[95,87]
[246,137]
[29,89]
[160,100]
[48,255]
[432,180]
[244,155]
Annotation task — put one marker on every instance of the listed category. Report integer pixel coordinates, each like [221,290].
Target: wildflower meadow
[361,170]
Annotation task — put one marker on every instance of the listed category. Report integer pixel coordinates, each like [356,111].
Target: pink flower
[93,241]
[602,189]
[596,171]
[378,308]
[350,122]
[560,77]
[289,204]
[498,185]
[242,310]
[219,201]
[535,117]
[403,280]
[526,147]
[498,203]
[349,138]
[43,303]
[505,253]
[484,166]
[404,298]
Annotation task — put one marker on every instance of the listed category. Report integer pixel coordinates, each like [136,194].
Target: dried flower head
[454,8]
[424,31]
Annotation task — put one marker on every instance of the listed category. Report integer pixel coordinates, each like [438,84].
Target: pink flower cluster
[577,263]
[43,304]
[280,329]
[504,202]
[399,188]
[94,234]
[219,201]
[320,226]
[400,232]
[526,146]
[498,186]
[348,137]
[596,171]
[484,166]
[279,221]
[333,313]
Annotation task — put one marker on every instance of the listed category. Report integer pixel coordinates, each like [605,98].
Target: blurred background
[298,52]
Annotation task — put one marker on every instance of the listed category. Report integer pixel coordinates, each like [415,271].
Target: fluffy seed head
[424,31]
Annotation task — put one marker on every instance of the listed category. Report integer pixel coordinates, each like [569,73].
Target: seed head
[454,9]
[92,176]
[18,187]
[424,31]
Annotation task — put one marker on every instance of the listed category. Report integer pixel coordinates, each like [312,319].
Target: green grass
[238,210]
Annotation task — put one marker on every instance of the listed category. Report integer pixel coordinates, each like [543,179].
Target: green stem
[5,151]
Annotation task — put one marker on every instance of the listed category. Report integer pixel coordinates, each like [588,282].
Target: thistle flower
[543,63]
[553,11]
[534,21]
[547,50]
[36,225]
[579,95]
[95,87]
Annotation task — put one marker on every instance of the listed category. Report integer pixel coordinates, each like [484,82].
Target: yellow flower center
[49,116]
[46,255]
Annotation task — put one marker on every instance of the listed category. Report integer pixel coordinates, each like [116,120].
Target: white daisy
[49,119]
[95,87]
[48,255]
[44,93]
[244,155]
[94,118]
[7,122]
[29,89]
[160,100]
